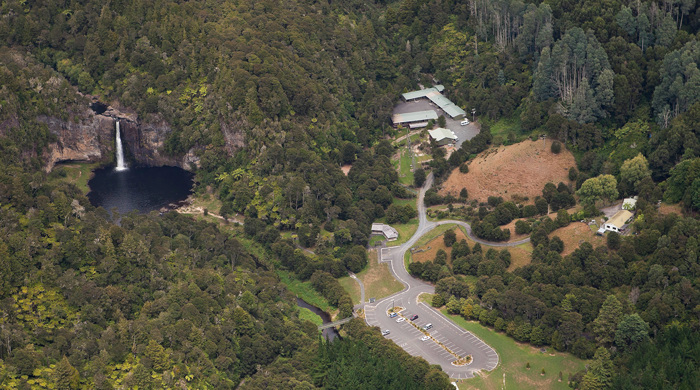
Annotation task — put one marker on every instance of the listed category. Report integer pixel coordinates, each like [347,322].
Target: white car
[425,338]
[400,319]
[385,332]
[465,122]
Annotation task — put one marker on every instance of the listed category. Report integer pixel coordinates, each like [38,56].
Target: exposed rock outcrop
[92,138]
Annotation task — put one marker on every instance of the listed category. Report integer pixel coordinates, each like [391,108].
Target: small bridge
[334,323]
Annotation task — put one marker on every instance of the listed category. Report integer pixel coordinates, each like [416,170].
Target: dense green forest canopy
[156,301]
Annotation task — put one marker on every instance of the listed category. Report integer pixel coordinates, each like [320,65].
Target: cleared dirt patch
[666,208]
[521,169]
[575,234]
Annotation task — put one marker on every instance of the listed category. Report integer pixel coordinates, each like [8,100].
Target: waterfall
[120,151]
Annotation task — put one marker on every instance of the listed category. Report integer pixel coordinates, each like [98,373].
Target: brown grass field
[520,255]
[521,170]
[575,234]
[436,244]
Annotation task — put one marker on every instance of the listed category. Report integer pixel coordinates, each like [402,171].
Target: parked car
[464,122]
[392,315]
[385,332]
[414,317]
[400,319]
[429,326]
[425,338]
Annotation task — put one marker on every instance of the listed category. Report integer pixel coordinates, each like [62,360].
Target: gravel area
[463,132]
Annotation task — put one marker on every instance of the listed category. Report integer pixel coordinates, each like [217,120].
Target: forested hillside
[272,97]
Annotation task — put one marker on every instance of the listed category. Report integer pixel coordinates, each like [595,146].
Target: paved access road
[444,330]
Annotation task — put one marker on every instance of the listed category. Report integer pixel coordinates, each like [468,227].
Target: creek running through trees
[330,333]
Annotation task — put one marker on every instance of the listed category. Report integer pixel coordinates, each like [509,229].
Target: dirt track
[521,169]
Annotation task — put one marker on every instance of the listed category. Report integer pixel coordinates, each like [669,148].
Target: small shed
[443,136]
[616,223]
[387,231]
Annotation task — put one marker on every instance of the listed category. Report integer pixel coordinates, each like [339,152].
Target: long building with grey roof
[413,117]
[434,95]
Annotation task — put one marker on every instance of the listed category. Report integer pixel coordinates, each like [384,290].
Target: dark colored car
[414,317]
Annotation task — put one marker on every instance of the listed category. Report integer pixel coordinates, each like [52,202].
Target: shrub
[556,147]
[463,193]
[494,201]
[522,227]
[464,168]
[449,238]
[573,174]
[419,177]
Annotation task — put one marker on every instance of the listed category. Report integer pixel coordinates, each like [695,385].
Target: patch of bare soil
[666,208]
[346,168]
[516,170]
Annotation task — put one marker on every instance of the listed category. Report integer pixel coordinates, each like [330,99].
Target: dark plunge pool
[143,189]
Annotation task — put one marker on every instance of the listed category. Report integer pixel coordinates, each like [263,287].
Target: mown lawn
[511,372]
[406,231]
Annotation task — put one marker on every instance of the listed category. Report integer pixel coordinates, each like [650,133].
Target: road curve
[444,331]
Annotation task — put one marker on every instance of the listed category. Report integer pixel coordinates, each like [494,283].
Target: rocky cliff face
[92,138]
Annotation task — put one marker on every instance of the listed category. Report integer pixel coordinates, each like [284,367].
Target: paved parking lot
[463,132]
[456,339]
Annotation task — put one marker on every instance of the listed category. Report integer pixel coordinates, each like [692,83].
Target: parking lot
[463,132]
[443,331]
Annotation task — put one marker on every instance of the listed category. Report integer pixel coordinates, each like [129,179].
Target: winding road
[444,332]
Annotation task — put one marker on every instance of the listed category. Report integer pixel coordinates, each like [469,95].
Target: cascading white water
[120,152]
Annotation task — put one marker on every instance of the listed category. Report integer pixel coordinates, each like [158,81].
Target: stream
[330,333]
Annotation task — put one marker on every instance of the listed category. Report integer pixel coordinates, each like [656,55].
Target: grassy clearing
[577,233]
[438,231]
[207,202]
[375,240]
[305,291]
[504,126]
[513,359]
[406,231]
[76,173]
[351,286]
[377,279]
[403,202]
[426,298]
[306,314]
[520,255]
[405,171]
[430,249]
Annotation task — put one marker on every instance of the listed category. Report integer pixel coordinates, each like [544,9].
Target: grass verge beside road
[377,279]
[511,372]
[405,230]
